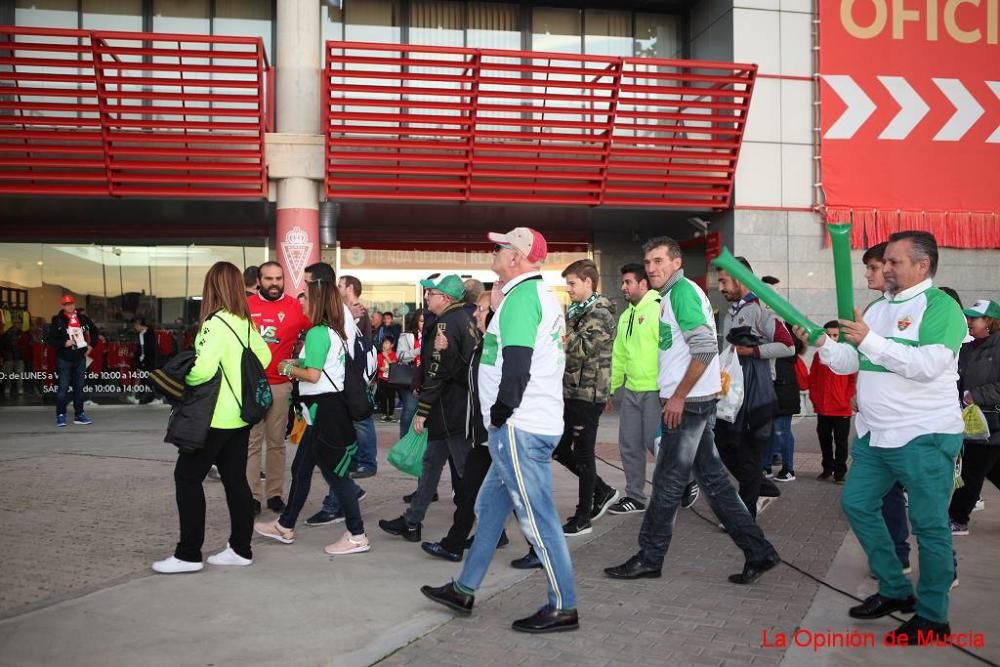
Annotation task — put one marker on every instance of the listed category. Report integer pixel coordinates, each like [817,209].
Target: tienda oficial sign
[910,99]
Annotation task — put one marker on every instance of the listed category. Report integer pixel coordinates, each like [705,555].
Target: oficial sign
[910,106]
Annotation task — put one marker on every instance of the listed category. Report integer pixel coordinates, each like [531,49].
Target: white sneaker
[763,502]
[229,557]
[213,472]
[176,566]
[979,506]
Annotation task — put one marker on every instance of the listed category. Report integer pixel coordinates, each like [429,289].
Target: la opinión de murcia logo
[837,639]
[296,248]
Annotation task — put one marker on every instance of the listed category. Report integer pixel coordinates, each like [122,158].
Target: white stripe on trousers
[530,516]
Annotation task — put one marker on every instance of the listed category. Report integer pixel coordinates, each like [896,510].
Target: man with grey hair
[690,382]
[473,290]
[909,430]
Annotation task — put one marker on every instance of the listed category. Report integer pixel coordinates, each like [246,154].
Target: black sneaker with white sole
[603,499]
[577,526]
[691,493]
[785,476]
[627,506]
[322,518]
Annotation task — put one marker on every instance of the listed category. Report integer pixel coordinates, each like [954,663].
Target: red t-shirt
[383,365]
[280,323]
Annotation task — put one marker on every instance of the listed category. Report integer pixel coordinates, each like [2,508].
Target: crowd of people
[503,380]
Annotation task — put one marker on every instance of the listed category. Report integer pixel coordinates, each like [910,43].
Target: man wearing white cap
[520,392]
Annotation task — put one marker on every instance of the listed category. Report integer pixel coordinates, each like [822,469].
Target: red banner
[910,95]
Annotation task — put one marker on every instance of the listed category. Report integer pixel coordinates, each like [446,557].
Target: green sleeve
[208,348]
[687,306]
[943,322]
[317,347]
[520,316]
[618,353]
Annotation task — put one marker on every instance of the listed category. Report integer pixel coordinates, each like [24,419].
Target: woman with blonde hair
[329,440]
[225,332]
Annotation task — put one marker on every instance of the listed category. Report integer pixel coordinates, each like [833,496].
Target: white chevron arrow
[912,108]
[859,106]
[995,137]
[967,110]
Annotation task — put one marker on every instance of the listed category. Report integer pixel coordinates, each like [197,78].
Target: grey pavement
[89,508]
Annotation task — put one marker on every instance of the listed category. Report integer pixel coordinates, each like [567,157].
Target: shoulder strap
[221,366]
[235,397]
[234,330]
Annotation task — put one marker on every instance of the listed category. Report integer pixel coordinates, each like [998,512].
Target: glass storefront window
[112,284]
[112,15]
[372,21]
[607,33]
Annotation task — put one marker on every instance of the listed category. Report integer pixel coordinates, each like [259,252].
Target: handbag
[400,374]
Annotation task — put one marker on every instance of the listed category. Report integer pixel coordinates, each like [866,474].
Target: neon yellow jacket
[635,352]
[217,348]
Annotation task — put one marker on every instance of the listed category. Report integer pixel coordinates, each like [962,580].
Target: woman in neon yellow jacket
[225,332]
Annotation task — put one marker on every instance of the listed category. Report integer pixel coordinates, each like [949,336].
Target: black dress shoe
[362,472]
[633,568]
[438,550]
[548,619]
[276,504]
[450,597]
[501,543]
[753,570]
[408,498]
[401,528]
[530,561]
[876,606]
[918,631]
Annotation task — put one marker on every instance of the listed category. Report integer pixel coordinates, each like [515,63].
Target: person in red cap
[71,334]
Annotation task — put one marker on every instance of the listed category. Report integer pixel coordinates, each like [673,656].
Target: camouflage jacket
[590,333]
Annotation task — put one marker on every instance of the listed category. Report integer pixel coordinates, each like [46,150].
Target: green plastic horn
[840,242]
[778,304]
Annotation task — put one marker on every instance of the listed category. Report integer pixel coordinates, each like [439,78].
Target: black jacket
[979,374]
[148,350]
[58,335]
[193,407]
[445,395]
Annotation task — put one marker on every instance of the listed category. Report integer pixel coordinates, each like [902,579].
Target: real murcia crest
[296,248]
[904,323]
[281,316]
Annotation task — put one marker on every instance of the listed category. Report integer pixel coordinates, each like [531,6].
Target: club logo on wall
[296,249]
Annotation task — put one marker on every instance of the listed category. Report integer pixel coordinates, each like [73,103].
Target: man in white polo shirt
[521,395]
[909,427]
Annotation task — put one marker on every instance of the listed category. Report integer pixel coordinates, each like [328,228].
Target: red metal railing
[441,123]
[132,114]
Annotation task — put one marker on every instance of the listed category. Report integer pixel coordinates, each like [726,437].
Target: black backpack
[255,390]
[358,372]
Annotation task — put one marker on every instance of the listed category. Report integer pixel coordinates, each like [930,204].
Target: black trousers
[741,451]
[979,462]
[477,464]
[386,396]
[227,449]
[575,450]
[833,431]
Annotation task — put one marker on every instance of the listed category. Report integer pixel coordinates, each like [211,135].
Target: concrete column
[298,112]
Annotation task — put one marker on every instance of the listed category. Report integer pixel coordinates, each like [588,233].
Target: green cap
[984,308]
[451,285]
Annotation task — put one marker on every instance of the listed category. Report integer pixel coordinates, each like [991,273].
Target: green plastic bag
[407,455]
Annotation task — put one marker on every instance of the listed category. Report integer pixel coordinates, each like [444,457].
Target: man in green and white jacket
[909,427]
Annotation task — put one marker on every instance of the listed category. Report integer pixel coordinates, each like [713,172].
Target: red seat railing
[87,112]
[456,124]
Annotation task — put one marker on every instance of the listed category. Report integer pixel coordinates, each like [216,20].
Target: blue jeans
[782,442]
[409,402]
[520,479]
[894,515]
[70,372]
[689,448]
[367,443]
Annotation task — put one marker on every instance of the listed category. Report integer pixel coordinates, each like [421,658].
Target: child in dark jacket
[386,394]
[831,396]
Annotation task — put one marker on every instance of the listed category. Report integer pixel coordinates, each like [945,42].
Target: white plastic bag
[732,385]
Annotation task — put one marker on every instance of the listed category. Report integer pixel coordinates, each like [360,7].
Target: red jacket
[830,393]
